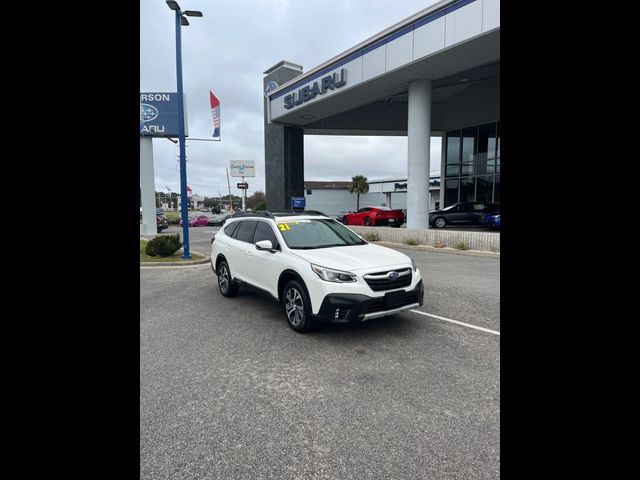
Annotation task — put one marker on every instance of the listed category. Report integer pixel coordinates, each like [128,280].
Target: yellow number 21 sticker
[283,227]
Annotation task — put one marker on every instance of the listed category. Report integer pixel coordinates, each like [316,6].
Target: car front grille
[378,304]
[380,281]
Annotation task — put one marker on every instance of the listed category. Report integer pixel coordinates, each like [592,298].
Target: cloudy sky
[227,50]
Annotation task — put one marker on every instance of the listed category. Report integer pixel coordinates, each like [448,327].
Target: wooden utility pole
[229,185]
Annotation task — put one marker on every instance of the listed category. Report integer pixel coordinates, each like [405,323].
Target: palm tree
[359,184]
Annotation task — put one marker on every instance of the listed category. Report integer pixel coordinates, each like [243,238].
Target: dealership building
[436,73]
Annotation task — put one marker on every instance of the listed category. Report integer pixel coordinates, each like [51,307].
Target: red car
[199,221]
[374,216]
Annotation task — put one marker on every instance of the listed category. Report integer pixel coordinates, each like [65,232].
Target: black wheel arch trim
[285,277]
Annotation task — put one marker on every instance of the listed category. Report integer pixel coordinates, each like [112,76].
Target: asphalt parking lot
[228,391]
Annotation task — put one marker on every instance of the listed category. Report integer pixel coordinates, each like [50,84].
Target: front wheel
[227,286]
[440,222]
[297,308]
[367,221]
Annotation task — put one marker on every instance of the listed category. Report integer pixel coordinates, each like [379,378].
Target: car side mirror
[265,245]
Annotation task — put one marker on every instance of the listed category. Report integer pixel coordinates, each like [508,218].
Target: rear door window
[245,231]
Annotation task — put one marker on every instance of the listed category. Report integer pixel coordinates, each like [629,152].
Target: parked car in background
[375,216]
[199,221]
[162,222]
[463,213]
[492,221]
[218,219]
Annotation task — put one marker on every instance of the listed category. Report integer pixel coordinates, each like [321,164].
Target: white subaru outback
[318,268]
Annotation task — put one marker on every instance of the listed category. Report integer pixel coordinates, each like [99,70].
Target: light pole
[181,20]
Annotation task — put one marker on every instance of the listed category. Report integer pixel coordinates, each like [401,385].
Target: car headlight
[330,275]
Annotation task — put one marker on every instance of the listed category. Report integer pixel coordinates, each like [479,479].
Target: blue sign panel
[159,114]
[298,202]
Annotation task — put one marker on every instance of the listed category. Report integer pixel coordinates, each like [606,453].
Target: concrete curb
[185,263]
[428,248]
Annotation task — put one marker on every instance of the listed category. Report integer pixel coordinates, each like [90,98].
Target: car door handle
[249,253]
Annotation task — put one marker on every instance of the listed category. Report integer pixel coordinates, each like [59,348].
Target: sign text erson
[159,115]
[330,82]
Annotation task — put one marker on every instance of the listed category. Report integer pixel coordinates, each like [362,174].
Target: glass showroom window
[467,189]
[469,141]
[484,188]
[450,191]
[486,149]
[453,147]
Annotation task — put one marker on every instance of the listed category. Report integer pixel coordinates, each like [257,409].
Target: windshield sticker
[284,226]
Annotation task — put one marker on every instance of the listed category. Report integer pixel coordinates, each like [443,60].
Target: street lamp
[181,20]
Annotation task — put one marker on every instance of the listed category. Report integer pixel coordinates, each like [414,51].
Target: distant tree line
[172,200]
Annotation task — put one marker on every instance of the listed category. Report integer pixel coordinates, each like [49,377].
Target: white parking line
[455,321]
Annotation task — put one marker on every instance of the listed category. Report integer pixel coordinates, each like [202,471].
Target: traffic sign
[242,186]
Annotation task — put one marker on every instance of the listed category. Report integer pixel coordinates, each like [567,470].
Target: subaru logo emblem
[393,275]
[270,87]
[149,112]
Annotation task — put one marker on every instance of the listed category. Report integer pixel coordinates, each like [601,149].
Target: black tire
[367,221]
[439,222]
[297,309]
[227,286]
[345,220]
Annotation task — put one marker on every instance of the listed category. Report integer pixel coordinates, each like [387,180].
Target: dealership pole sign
[243,168]
[159,115]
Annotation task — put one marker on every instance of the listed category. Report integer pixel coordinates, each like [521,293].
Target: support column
[148,187]
[388,199]
[283,148]
[418,161]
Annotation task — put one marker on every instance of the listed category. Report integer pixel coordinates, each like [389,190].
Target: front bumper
[356,308]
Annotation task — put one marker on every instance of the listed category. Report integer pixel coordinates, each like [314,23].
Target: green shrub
[462,245]
[173,217]
[163,246]
[261,206]
[371,237]
[412,241]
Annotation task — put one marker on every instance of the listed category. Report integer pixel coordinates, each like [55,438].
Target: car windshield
[317,233]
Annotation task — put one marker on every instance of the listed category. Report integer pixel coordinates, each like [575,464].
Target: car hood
[355,257]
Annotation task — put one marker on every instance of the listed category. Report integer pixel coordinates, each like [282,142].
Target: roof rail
[279,213]
[261,213]
[282,213]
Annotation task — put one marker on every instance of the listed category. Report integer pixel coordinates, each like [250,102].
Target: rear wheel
[297,308]
[227,286]
[440,222]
